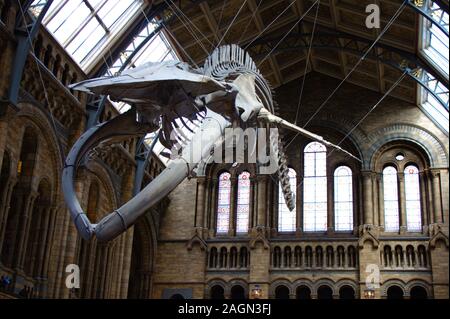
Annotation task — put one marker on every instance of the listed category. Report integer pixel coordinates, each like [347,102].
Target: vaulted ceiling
[279,41]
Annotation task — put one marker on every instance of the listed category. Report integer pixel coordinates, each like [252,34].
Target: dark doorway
[177,297]
[395,292]
[303,292]
[418,292]
[237,292]
[217,292]
[346,292]
[324,292]
[282,292]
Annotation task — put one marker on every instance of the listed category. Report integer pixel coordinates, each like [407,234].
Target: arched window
[315,188]
[223,206]
[286,219]
[243,203]
[390,188]
[343,199]
[412,198]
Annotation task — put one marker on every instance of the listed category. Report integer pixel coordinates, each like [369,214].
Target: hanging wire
[249,22]
[405,72]
[308,57]
[189,22]
[269,25]
[231,23]
[400,79]
[287,33]
[221,17]
[391,21]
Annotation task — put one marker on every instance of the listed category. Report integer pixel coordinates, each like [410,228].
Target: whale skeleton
[228,91]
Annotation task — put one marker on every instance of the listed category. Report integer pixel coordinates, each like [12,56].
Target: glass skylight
[85,27]
[435,49]
[434,41]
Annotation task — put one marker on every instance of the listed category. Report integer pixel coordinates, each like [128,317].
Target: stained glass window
[286,219]
[315,188]
[343,199]
[243,203]
[223,206]
[412,197]
[390,189]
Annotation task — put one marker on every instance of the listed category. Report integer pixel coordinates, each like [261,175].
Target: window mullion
[54,12]
[85,22]
[402,201]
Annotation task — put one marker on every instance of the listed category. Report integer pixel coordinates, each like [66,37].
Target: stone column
[402,202]
[330,204]
[233,204]
[375,199]
[379,179]
[207,204]
[269,207]
[212,222]
[261,211]
[45,231]
[23,229]
[423,198]
[4,210]
[201,192]
[436,190]
[367,197]
[299,207]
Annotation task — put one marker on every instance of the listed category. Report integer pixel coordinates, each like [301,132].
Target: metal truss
[401,60]
[424,8]
[152,24]
[26,30]
[96,105]
[143,153]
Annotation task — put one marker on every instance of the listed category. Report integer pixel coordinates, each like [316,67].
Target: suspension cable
[308,57]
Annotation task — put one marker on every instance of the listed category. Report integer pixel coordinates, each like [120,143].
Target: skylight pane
[82,45]
[437,112]
[68,20]
[86,27]
[435,49]
[113,10]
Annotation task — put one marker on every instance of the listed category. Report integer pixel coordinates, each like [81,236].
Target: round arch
[325,282]
[212,290]
[241,283]
[424,140]
[390,283]
[347,282]
[418,283]
[280,283]
[35,116]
